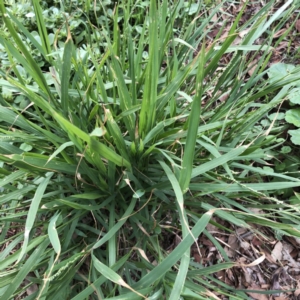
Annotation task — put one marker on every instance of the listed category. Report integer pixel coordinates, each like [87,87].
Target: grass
[123,142]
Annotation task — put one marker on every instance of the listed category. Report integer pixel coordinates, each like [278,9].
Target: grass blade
[148,109]
[111,275]
[193,124]
[65,74]
[185,260]
[30,262]
[34,206]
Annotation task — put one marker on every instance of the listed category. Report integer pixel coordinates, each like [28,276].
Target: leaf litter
[264,264]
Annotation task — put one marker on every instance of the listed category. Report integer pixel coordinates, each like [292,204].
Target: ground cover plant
[291,115]
[122,130]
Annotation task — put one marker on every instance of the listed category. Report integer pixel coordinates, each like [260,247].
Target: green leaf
[185,260]
[34,206]
[237,187]
[53,235]
[12,177]
[100,280]
[65,74]
[41,27]
[294,95]
[116,133]
[61,148]
[279,70]
[295,136]
[193,124]
[111,275]
[293,116]
[276,116]
[29,264]
[234,153]
[148,109]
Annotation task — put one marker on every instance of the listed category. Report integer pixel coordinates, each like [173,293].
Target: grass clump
[125,139]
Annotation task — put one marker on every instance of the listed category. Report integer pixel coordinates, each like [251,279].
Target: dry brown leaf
[245,245]
[225,33]
[214,18]
[286,256]
[209,293]
[282,45]
[269,258]
[233,241]
[277,252]
[197,257]
[257,242]
[247,280]
[32,289]
[257,261]
[221,275]
[214,31]
[212,228]
[261,279]
[206,242]
[229,251]
[142,253]
[240,231]
[279,33]
[287,247]
[237,41]
[224,97]
[265,286]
